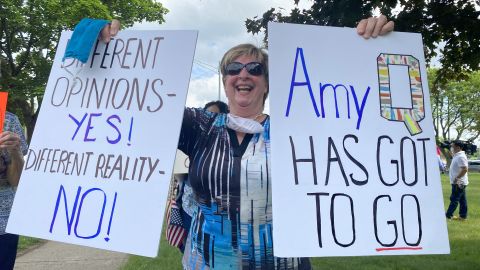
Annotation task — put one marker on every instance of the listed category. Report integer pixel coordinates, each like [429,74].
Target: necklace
[257,116]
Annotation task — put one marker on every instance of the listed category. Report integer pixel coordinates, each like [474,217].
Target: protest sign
[353,149]
[181,163]
[3,108]
[99,165]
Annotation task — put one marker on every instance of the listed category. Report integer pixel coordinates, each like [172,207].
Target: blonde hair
[249,50]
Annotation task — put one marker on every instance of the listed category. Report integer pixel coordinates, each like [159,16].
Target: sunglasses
[254,68]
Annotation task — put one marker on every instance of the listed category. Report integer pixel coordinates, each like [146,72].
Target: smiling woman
[245,77]
[230,175]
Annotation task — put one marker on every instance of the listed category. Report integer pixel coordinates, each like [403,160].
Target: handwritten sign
[353,149]
[181,163]
[3,108]
[100,160]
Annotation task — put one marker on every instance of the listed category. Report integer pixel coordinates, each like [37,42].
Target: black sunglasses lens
[234,68]
[254,68]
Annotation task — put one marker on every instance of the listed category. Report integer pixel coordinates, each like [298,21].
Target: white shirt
[459,161]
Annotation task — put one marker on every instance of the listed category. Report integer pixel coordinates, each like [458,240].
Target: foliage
[456,105]
[29,32]
[453,23]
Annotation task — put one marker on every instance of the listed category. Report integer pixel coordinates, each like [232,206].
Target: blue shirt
[232,225]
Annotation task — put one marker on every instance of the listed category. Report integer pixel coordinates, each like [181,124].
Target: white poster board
[102,153]
[181,163]
[353,149]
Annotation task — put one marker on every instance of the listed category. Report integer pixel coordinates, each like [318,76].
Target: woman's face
[245,91]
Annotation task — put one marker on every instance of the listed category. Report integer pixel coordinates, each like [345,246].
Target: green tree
[456,106]
[454,24]
[29,32]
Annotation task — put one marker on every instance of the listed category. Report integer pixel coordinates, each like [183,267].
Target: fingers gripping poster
[100,160]
[353,147]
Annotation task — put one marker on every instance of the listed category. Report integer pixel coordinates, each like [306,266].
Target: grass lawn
[26,242]
[464,244]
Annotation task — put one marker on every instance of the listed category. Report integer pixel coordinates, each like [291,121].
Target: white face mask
[244,125]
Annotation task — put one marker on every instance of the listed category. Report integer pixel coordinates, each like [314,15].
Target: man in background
[459,181]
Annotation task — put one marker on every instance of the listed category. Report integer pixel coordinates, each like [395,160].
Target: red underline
[398,248]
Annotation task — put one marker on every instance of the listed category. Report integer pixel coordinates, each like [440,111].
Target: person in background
[185,197]
[232,224]
[459,181]
[12,149]
[216,107]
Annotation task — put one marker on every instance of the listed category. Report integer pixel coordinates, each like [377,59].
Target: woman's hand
[109,31]
[374,26]
[10,141]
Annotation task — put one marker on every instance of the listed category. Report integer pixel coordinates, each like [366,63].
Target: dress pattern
[232,225]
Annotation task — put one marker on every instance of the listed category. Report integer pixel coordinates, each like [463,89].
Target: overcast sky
[221,25]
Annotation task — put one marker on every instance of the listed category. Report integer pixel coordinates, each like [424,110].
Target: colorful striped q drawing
[410,116]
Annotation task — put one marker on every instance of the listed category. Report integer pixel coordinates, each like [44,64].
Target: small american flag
[176,233]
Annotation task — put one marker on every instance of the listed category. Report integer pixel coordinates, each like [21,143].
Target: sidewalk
[56,256]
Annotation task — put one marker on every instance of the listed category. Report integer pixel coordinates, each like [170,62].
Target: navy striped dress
[232,226]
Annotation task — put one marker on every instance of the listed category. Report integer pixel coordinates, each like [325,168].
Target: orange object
[3,108]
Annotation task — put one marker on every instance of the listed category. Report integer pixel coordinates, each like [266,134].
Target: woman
[230,167]
[12,149]
[184,197]
[229,173]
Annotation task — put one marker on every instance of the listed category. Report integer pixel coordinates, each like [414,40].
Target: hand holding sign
[110,30]
[374,26]
[9,141]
